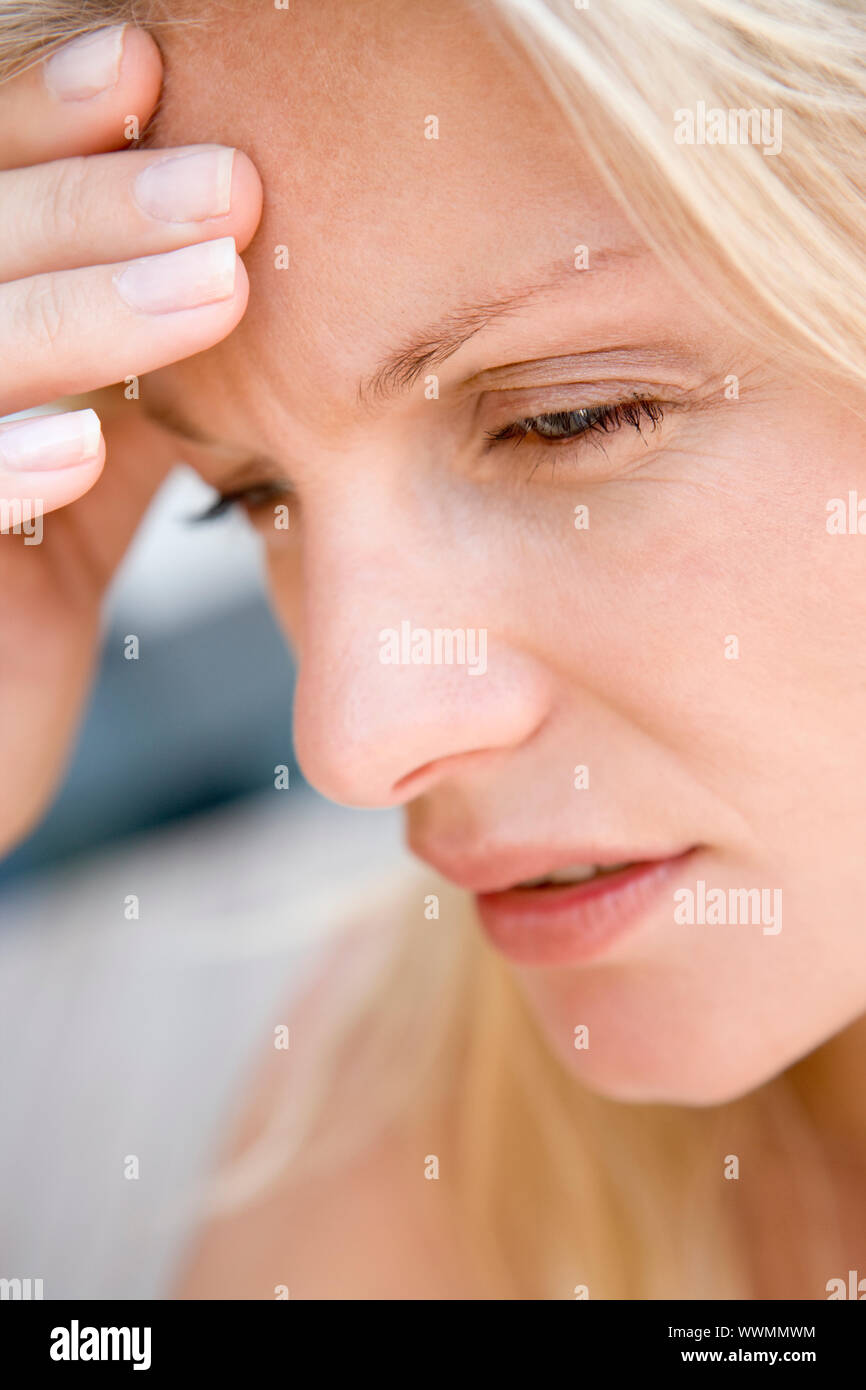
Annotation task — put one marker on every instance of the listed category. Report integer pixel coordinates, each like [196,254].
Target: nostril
[440,768]
[419,774]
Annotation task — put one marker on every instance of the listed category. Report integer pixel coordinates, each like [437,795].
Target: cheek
[727,620]
[709,604]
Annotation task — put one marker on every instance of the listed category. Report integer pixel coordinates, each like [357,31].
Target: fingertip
[242,288]
[25,497]
[140,78]
[98,118]
[171,336]
[63,486]
[93,444]
[94,94]
[246,199]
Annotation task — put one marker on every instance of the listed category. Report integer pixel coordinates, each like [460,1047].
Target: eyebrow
[168,414]
[399,371]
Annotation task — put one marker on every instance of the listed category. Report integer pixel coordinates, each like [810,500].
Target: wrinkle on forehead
[387,232]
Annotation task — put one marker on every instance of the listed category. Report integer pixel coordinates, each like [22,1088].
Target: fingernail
[187,187]
[184,279]
[87,66]
[44,442]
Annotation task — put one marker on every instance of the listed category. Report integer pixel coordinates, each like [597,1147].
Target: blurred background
[189,735]
[157,925]
[203,716]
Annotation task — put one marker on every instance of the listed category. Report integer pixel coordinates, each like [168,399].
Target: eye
[252,499]
[561,426]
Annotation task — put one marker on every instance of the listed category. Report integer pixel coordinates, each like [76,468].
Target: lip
[575,923]
[497,870]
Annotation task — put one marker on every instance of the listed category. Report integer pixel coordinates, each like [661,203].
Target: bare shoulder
[373,1229]
[372,1226]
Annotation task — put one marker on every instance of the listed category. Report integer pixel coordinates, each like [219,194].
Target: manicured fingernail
[43,442]
[184,279]
[187,187]
[87,66]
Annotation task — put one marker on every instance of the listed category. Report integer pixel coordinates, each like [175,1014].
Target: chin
[696,1065]
[637,1086]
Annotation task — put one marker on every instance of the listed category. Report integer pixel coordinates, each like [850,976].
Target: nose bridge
[362,560]
[399,669]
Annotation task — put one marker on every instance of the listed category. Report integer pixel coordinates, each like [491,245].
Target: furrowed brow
[401,369]
[167,414]
[399,372]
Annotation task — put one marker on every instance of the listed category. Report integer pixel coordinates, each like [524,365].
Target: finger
[78,101]
[96,209]
[81,329]
[139,457]
[46,461]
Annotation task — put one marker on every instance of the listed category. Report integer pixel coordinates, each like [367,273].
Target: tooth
[576,873]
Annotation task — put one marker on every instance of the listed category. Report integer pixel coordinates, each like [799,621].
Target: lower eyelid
[273,493]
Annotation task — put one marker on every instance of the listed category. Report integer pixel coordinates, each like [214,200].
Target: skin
[606,646]
[68,220]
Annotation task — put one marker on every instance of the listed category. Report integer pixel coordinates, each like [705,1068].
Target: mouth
[576,913]
[572,874]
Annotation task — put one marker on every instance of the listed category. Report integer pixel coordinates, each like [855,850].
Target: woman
[548,402]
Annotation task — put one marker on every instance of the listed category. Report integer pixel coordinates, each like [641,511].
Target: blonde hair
[767,225]
[555,1187]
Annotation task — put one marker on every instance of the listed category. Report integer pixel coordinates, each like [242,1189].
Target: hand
[111,264]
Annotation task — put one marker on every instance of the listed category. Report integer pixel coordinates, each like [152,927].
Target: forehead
[411,161]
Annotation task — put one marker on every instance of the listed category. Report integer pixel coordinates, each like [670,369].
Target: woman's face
[692,636]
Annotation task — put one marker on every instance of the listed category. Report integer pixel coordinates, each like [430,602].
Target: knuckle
[43,311]
[62,204]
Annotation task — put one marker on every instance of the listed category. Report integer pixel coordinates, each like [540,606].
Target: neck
[830,1084]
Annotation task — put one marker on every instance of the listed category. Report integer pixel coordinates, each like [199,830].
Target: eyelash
[258,495]
[602,419]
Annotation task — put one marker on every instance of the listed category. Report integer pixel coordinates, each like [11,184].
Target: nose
[405,673]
